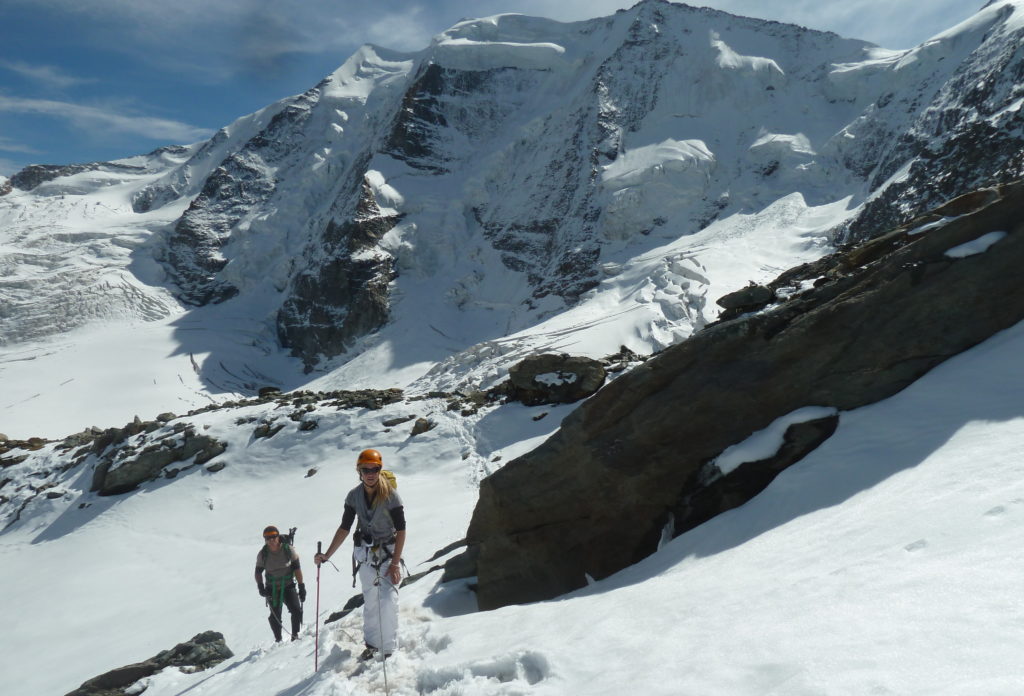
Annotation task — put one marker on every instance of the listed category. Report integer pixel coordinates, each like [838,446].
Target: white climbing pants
[380,599]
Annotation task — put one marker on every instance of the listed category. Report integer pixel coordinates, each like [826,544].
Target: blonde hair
[382,491]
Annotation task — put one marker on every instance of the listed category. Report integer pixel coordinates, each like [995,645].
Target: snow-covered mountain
[417,209]
[426,220]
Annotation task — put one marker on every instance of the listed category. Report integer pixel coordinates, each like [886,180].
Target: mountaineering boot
[295,636]
[368,653]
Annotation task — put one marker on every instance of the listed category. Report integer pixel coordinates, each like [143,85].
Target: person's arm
[338,540]
[395,569]
[259,582]
[302,585]
[296,566]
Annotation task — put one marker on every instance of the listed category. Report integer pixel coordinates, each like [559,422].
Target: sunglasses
[369,470]
[270,537]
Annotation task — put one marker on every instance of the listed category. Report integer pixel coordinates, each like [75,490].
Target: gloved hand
[262,589]
[302,592]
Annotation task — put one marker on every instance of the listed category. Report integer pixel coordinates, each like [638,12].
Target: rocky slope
[644,456]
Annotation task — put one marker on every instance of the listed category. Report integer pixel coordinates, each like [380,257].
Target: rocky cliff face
[562,150]
[640,455]
[965,130]
[545,135]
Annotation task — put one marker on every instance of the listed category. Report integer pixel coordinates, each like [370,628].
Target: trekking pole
[316,649]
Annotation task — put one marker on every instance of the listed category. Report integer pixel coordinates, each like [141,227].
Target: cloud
[46,74]
[8,145]
[91,118]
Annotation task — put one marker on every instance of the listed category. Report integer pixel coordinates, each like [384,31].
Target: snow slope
[885,562]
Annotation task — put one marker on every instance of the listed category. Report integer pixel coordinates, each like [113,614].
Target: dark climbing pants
[291,599]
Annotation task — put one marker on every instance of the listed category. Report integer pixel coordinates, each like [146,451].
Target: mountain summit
[516,171]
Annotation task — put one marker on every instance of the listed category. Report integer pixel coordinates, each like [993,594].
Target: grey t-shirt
[278,565]
[375,521]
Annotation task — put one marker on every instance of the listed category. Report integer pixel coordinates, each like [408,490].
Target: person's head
[369,464]
[272,537]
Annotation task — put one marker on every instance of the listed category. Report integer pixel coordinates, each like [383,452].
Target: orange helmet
[371,457]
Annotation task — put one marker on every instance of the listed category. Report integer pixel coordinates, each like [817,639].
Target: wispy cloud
[91,118]
[46,74]
[8,145]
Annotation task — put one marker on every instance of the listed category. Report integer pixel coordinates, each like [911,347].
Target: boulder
[596,496]
[554,378]
[203,651]
[752,296]
[121,471]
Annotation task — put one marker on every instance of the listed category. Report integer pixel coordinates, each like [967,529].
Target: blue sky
[89,80]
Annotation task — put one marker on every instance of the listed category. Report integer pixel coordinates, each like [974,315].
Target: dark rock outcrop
[714,493]
[595,497]
[203,651]
[963,136]
[122,470]
[243,182]
[748,299]
[343,295]
[554,378]
[36,174]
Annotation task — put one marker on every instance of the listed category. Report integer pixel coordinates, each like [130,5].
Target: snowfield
[888,561]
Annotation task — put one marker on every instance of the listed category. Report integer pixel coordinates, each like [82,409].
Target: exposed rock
[553,378]
[421,426]
[861,335]
[35,174]
[123,470]
[128,475]
[267,430]
[203,651]
[343,294]
[748,299]
[712,493]
[243,182]
[392,422]
[963,138]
